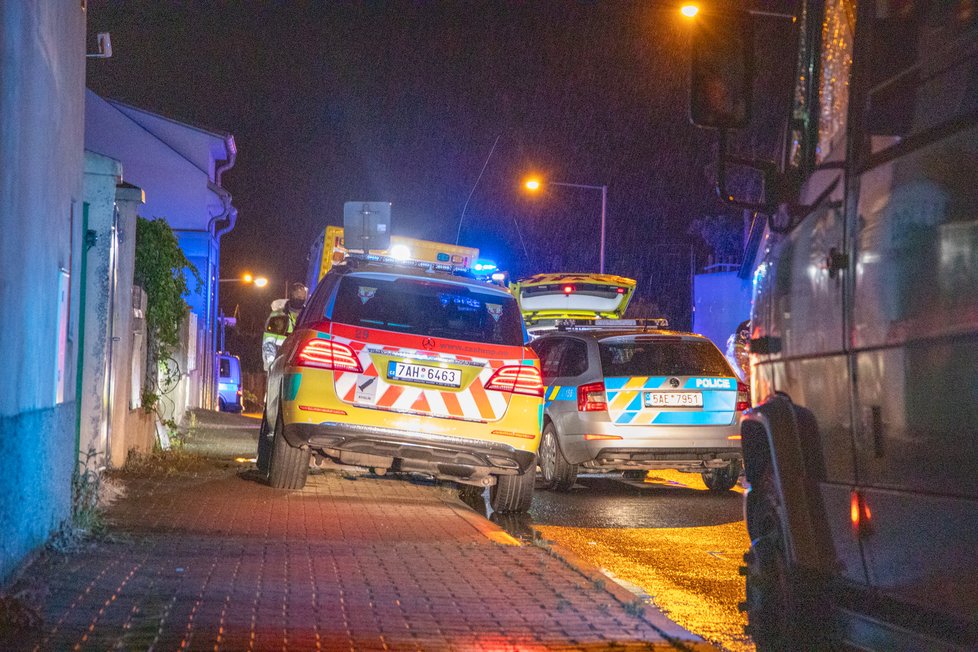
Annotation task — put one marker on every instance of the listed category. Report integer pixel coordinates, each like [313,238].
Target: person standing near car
[298,293]
[281,321]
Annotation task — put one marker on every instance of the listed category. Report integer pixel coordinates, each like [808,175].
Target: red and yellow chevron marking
[471,401]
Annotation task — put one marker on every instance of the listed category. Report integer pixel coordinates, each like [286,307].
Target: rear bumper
[655,445]
[442,455]
[683,459]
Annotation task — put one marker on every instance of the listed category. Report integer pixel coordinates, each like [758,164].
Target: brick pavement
[216,560]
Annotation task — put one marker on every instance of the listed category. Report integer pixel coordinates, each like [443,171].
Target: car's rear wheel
[264,455]
[289,465]
[555,471]
[512,493]
[722,479]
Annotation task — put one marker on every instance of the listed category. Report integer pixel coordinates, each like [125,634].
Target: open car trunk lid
[573,296]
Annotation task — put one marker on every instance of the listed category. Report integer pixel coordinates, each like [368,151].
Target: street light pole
[604,209]
[244,279]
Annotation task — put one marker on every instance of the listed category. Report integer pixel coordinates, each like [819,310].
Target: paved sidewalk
[216,560]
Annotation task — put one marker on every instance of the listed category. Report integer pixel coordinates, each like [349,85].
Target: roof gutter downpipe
[229,213]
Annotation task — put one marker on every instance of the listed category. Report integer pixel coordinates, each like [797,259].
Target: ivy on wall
[161,270]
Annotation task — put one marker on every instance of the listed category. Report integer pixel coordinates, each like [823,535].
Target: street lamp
[248,279]
[533,184]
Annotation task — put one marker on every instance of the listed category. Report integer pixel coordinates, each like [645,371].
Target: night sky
[402,102]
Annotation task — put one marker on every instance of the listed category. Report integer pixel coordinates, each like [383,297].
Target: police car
[621,396]
[407,368]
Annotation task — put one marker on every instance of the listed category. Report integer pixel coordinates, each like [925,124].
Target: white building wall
[101,176]
[130,428]
[42,76]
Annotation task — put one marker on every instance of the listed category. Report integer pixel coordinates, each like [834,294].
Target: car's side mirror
[722,70]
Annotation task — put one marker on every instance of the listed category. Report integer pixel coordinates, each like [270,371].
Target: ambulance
[329,249]
[403,362]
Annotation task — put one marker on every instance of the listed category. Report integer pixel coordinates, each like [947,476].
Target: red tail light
[590,398]
[568,289]
[743,397]
[518,379]
[327,354]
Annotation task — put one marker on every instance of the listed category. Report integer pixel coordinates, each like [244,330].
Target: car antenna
[458,233]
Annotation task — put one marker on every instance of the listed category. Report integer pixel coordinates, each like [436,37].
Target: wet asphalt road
[611,502]
[666,538]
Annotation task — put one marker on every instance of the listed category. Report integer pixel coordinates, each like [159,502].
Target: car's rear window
[662,358]
[430,308]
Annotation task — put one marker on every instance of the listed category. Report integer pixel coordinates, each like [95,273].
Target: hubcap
[548,453]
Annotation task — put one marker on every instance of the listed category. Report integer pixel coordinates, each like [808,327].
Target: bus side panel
[915,331]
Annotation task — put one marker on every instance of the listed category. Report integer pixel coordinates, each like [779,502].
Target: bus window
[925,70]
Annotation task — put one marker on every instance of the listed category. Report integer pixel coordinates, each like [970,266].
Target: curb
[484,526]
[641,603]
[635,602]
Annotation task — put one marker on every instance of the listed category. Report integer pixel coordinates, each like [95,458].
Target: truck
[329,249]
[861,451]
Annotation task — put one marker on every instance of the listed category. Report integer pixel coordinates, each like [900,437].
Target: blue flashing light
[484,266]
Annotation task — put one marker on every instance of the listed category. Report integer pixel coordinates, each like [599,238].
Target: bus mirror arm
[774,182]
[780,189]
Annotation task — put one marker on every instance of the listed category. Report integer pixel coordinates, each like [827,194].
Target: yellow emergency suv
[407,368]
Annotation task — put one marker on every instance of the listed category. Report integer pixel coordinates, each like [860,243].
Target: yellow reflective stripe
[638,382]
[621,400]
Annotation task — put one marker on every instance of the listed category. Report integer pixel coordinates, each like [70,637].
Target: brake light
[590,398]
[327,354]
[518,379]
[743,397]
[568,289]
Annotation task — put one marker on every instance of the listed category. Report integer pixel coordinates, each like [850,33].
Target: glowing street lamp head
[532,184]
[247,278]
[689,10]
[261,282]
